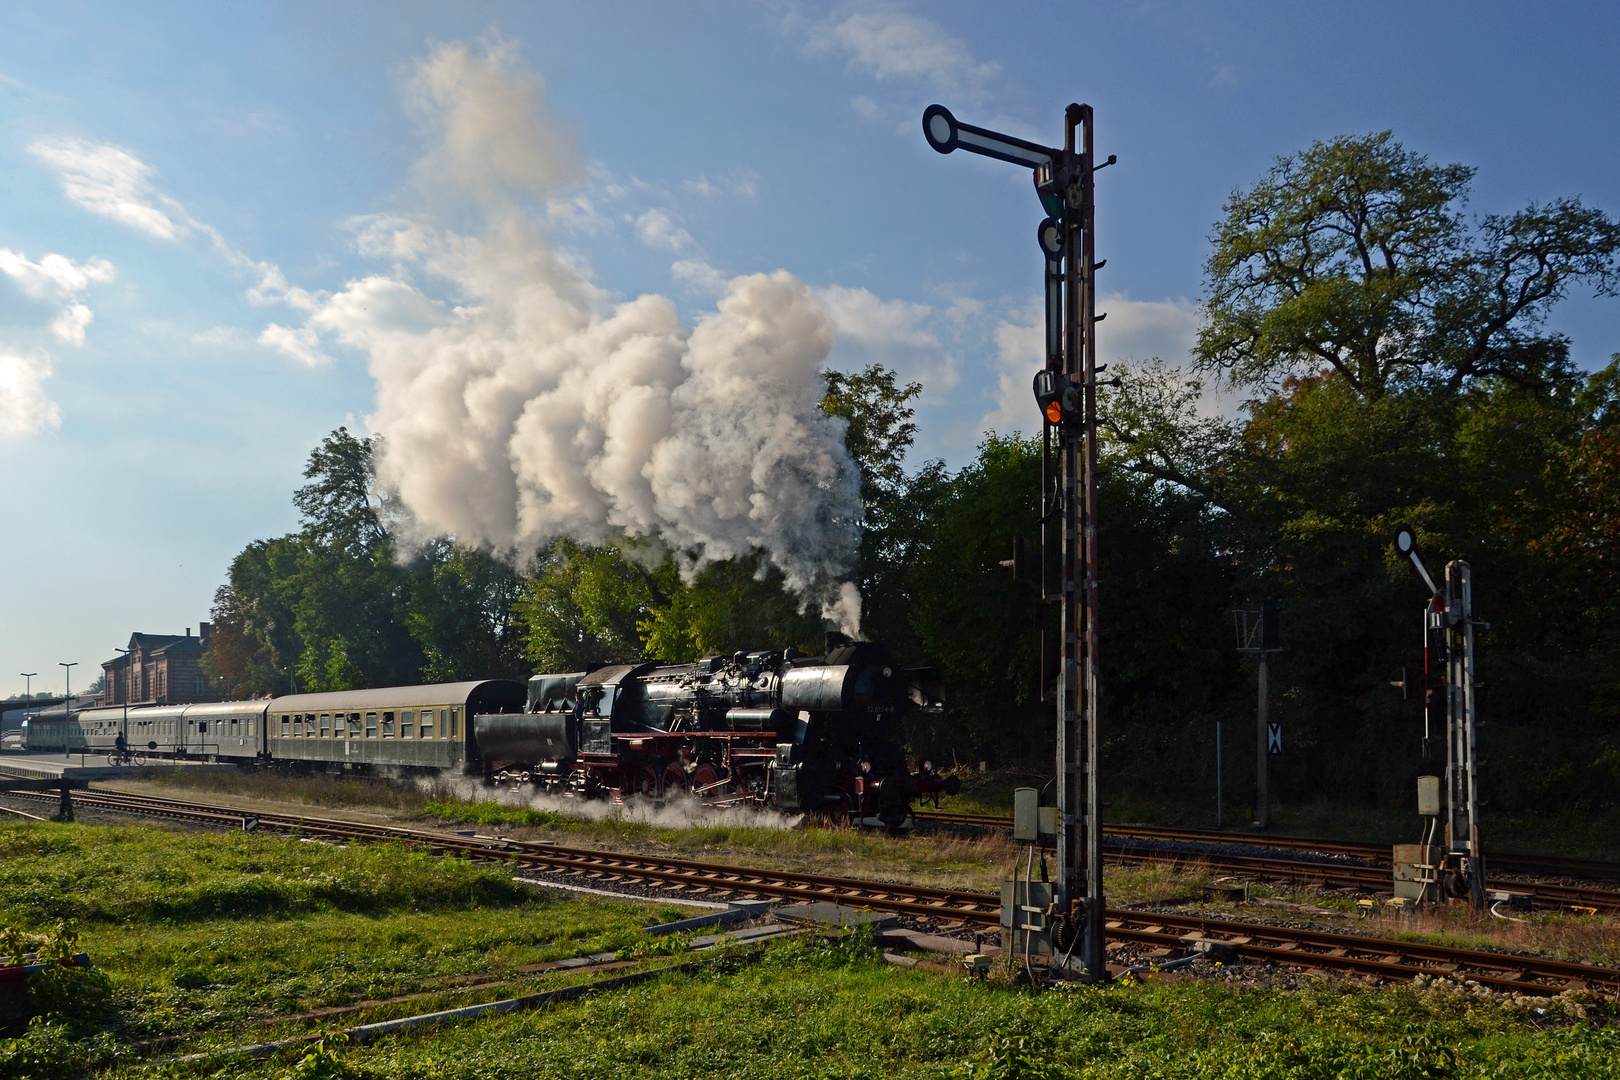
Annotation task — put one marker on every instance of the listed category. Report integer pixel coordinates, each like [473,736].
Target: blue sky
[179,179]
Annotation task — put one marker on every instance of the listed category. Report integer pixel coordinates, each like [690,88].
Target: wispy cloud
[742,185]
[699,277]
[657,229]
[300,343]
[888,43]
[898,334]
[116,184]
[58,278]
[1135,331]
[24,407]
[61,283]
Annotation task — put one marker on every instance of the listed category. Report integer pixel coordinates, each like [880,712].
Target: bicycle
[126,757]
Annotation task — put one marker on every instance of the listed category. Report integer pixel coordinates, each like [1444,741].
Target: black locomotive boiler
[814,734]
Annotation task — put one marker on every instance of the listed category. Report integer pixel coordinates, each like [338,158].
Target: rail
[1504,862]
[1295,947]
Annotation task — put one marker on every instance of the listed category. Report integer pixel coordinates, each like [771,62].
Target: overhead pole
[1066,390]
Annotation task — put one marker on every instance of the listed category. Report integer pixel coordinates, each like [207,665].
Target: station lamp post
[28,690]
[67,700]
[125,694]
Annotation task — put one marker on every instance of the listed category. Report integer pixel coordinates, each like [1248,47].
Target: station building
[158,669]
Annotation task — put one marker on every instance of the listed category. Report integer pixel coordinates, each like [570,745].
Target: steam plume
[516,406]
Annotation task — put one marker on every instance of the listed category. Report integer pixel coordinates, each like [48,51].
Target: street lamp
[67,701]
[126,692]
[28,690]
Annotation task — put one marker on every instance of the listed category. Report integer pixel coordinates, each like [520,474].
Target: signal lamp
[1059,398]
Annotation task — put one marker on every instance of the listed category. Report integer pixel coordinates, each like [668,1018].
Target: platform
[24,769]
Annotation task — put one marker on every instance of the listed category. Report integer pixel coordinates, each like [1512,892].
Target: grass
[209,938]
[206,935]
[811,1010]
[489,813]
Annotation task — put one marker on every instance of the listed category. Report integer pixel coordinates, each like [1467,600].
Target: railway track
[1345,875]
[1374,854]
[1295,947]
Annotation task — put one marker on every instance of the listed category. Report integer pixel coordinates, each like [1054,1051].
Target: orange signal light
[1054,412]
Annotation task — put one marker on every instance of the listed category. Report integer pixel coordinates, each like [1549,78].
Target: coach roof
[396,697]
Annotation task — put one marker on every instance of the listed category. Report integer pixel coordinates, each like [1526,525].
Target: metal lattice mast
[1066,390]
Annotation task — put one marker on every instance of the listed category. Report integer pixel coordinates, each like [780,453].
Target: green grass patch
[111,875]
[814,1009]
[205,936]
[489,813]
[192,966]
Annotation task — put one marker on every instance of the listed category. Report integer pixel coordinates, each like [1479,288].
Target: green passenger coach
[413,727]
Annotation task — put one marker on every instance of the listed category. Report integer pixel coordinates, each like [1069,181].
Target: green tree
[969,618]
[584,603]
[877,409]
[462,614]
[334,606]
[1354,256]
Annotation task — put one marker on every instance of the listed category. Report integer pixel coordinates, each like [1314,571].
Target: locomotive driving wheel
[841,813]
[675,780]
[643,780]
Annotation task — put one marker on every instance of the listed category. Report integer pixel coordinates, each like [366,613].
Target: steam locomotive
[816,734]
[804,734]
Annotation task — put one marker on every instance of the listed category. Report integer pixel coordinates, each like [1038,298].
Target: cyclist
[121,748]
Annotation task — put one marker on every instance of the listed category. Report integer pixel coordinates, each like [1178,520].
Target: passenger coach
[222,730]
[416,727]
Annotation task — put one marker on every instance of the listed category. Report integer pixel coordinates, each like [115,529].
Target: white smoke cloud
[516,404]
[490,131]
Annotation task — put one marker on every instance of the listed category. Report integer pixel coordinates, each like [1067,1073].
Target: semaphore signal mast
[1068,913]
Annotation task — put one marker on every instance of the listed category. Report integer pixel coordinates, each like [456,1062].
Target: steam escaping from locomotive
[517,403]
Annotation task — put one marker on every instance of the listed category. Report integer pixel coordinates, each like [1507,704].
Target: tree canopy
[1355,255]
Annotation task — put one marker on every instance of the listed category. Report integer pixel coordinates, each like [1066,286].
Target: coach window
[286,725]
[354,725]
[371,725]
[444,723]
[455,723]
[427,723]
[298,725]
[388,725]
[407,724]
[326,724]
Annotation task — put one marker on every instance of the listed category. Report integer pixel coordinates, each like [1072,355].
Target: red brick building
[159,669]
